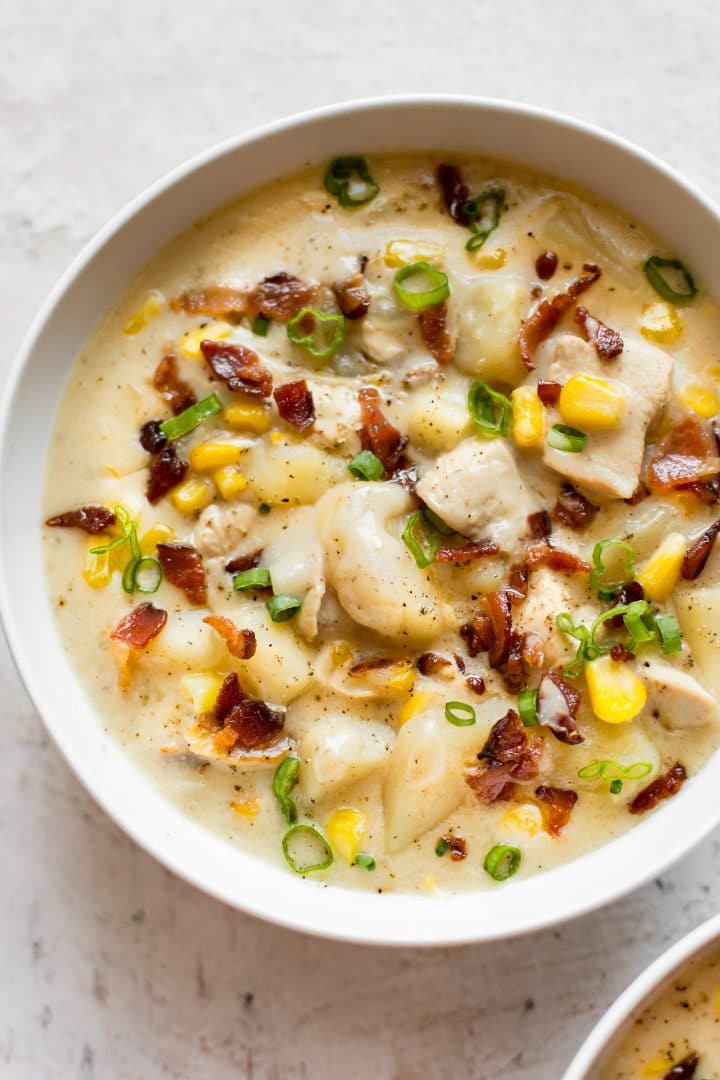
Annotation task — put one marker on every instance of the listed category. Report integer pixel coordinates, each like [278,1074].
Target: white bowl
[642,186]
[608,1033]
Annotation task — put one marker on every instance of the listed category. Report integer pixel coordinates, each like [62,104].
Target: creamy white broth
[413,790]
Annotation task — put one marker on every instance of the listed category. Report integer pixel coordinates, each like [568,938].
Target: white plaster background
[111,968]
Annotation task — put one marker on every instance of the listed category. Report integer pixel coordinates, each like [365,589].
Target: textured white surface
[111,967]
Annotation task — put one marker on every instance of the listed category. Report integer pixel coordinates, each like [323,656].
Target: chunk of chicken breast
[676,696]
[295,561]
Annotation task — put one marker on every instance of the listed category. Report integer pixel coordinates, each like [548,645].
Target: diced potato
[438,418]
[280,669]
[338,750]
[698,612]
[490,321]
[188,641]
[293,473]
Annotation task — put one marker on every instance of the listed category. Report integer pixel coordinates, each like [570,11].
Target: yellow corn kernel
[661,572]
[525,818]
[230,481]
[98,569]
[528,418]
[345,832]
[213,455]
[150,307]
[404,252]
[249,808]
[202,690]
[403,677]
[657,1066]
[190,342]
[489,260]
[661,323]
[616,693]
[414,705]
[156,534]
[701,399]
[246,417]
[591,404]
[341,654]
[193,495]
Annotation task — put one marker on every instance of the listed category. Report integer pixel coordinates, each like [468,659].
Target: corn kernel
[591,404]
[190,342]
[230,481]
[404,252]
[528,418]
[345,832]
[526,818]
[341,654]
[192,496]
[156,534]
[661,323]
[657,1066]
[489,260]
[402,678]
[150,307]
[202,690]
[213,455]
[414,705]
[249,808]
[98,569]
[701,399]
[661,572]
[246,417]
[616,693]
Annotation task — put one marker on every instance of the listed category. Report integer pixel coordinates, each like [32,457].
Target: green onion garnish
[437,286]
[527,707]
[366,861]
[188,420]
[350,179]
[284,780]
[586,650]
[613,770]
[661,285]
[319,332]
[568,439]
[639,621]
[669,630]
[459,713]
[256,578]
[441,847]
[365,466]
[423,556]
[260,326]
[283,607]
[492,199]
[143,574]
[615,787]
[264,508]
[614,562]
[316,841]
[490,410]
[502,861]
[123,519]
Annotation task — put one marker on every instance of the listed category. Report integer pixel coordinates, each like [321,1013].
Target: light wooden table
[112,968]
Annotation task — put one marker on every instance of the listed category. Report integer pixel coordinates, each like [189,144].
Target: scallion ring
[283,607]
[366,466]
[260,326]
[615,787]
[366,861]
[490,411]
[318,332]
[495,199]
[502,861]
[315,839]
[459,713]
[441,847]
[613,770]
[284,780]
[188,420]
[423,556]
[256,578]
[350,179]
[669,630]
[614,566]
[437,290]
[147,575]
[527,707]
[660,284]
[565,438]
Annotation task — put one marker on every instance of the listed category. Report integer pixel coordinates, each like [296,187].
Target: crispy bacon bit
[377,433]
[240,643]
[549,391]
[687,454]
[91,519]
[217,301]
[607,342]
[662,787]
[254,725]
[231,694]
[470,551]
[556,806]
[238,367]
[152,437]
[430,662]
[456,846]
[557,707]
[352,295]
[476,683]
[629,593]
[371,663]
[183,567]
[573,509]
[548,313]
[620,654]
[478,635]
[518,576]
[138,628]
[280,297]
[498,608]
[546,265]
[510,754]
[508,651]
[295,404]
[166,472]
[435,333]
[539,525]
[556,558]
[243,562]
[536,292]
[698,553]
[685,1069]
[455,193]
[459,663]
[178,394]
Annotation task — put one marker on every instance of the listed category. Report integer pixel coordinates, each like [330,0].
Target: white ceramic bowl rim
[528,135]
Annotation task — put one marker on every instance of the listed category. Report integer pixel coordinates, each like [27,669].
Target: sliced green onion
[640,624]
[319,332]
[612,572]
[123,519]
[437,523]
[284,780]
[283,607]
[256,578]
[441,847]
[316,840]
[260,326]
[495,197]
[438,288]
[459,713]
[568,439]
[502,861]
[661,285]
[423,556]
[264,508]
[366,466]
[615,787]
[586,650]
[669,630]
[188,420]
[366,861]
[527,707]
[148,575]
[490,410]
[613,770]
[350,179]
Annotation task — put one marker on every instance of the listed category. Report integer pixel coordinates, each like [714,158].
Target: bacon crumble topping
[295,404]
[352,295]
[557,706]
[662,787]
[539,525]
[240,643]
[546,265]
[279,297]
[547,314]
[175,391]
[166,471]
[238,367]
[686,456]
[573,509]
[91,519]
[698,553]
[455,193]
[152,437]
[247,723]
[183,567]
[556,806]
[138,628]
[467,552]
[216,301]
[548,391]
[608,343]
[545,554]
[456,845]
[510,754]
[430,662]
[435,334]
[377,433]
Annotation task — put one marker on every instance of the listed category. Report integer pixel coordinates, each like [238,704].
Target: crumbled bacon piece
[557,706]
[240,643]
[175,391]
[377,433]
[573,509]
[295,404]
[608,343]
[556,558]
[539,525]
[508,651]
[497,605]
[620,654]
[280,297]
[548,391]
[371,663]
[546,265]
[518,576]
[476,683]
[166,472]
[254,725]
[548,313]
[685,1069]
[510,754]
[459,663]
[628,594]
[662,787]
[217,301]
[152,437]
[430,662]
[698,553]
[243,562]
[138,628]
[456,846]
[478,634]
[230,695]
[455,193]
[470,551]
[687,454]
[183,567]
[352,295]
[556,807]
[238,367]
[435,334]
[91,519]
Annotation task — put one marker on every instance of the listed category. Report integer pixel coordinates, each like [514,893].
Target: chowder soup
[380,522]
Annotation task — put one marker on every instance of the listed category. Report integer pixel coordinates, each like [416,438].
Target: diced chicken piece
[337,417]
[338,750]
[609,464]
[381,342]
[295,562]
[477,490]
[221,529]
[549,594]
[676,696]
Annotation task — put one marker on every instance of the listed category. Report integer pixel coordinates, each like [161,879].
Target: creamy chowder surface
[386,444]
